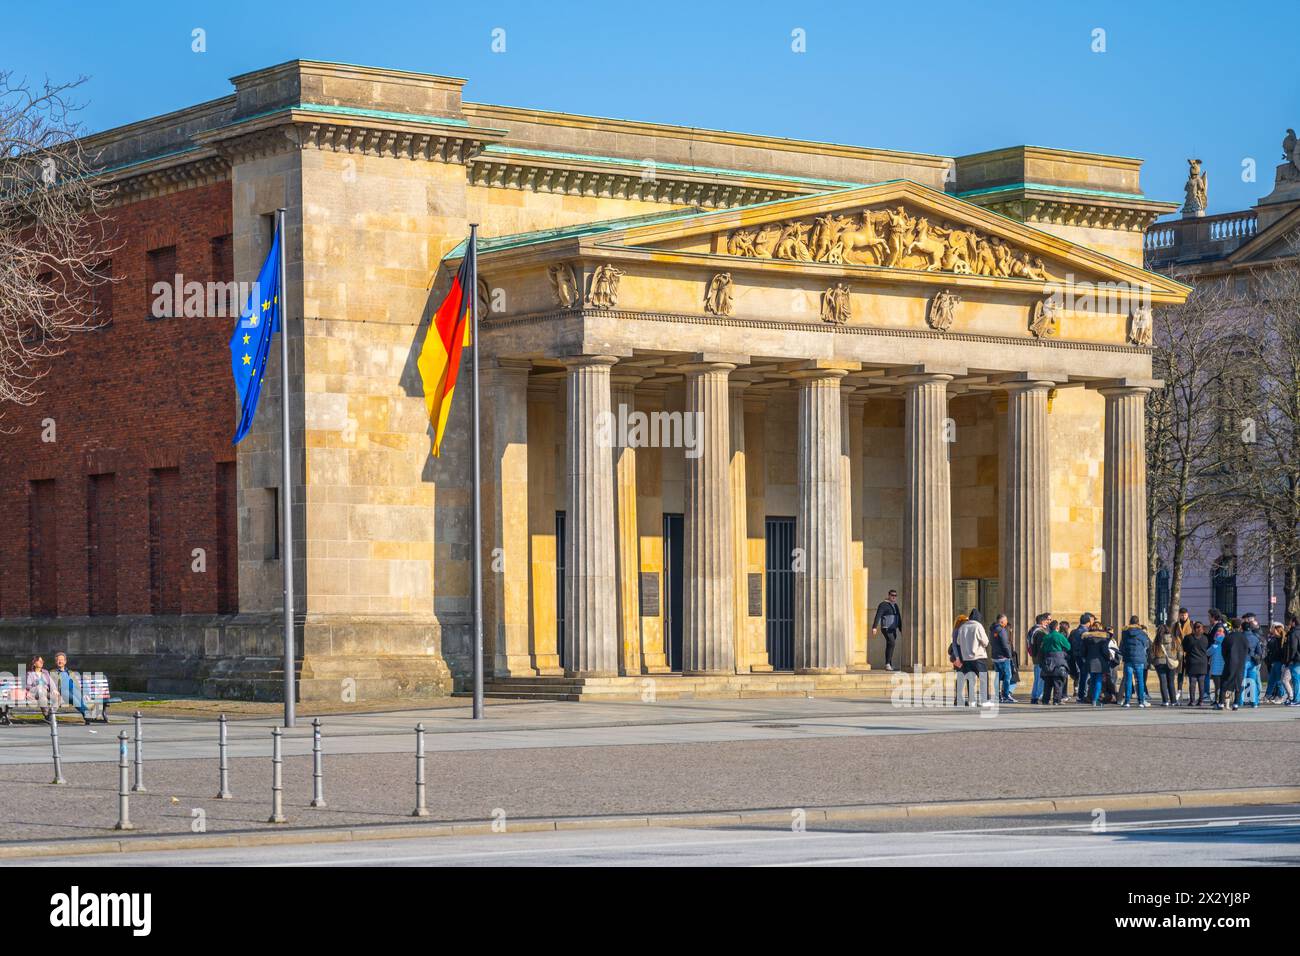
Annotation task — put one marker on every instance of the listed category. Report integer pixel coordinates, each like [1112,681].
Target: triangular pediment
[897,229]
[1278,240]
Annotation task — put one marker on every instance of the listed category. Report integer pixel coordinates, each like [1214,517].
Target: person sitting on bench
[38,684]
[68,686]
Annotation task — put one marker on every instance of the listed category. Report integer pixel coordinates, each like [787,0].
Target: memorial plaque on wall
[649,594]
[755,595]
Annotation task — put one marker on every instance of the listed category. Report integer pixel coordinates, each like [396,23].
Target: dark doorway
[780,593]
[561,547]
[674,540]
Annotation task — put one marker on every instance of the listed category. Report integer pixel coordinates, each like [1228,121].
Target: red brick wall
[140,395]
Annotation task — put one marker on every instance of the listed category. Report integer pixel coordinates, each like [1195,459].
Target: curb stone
[975,808]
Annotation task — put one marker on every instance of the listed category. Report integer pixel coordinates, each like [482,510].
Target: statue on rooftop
[1196,189]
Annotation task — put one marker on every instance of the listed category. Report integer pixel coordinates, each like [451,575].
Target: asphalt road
[1240,837]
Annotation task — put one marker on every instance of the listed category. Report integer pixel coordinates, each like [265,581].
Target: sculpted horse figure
[933,247]
[862,244]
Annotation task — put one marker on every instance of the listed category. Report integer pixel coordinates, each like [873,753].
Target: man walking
[889,622]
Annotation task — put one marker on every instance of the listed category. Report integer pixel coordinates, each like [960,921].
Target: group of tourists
[1225,663]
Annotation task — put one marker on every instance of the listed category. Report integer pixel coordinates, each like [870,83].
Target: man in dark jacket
[1256,648]
[1096,655]
[1236,648]
[1133,648]
[1034,642]
[889,622]
[1000,652]
[1078,662]
[1291,657]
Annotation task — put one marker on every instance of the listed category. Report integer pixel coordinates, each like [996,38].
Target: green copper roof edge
[679,167]
[355,111]
[147,159]
[1051,189]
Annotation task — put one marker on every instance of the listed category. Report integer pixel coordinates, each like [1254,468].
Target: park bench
[94,691]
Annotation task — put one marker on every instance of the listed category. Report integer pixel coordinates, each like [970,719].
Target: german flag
[439,358]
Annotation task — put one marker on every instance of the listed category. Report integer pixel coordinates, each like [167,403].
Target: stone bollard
[277,779]
[317,771]
[223,793]
[139,758]
[54,744]
[123,793]
[420,809]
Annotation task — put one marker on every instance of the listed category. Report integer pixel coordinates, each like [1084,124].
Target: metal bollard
[139,759]
[224,792]
[420,809]
[277,779]
[123,794]
[54,743]
[317,772]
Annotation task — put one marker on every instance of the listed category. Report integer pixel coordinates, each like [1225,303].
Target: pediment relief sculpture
[718,298]
[1045,317]
[564,285]
[603,291]
[835,304]
[943,309]
[894,238]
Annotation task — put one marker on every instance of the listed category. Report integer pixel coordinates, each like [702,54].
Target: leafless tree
[54,238]
[1270,407]
[1191,484]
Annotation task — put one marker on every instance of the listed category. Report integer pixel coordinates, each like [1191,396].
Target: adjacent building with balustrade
[858,369]
[1229,247]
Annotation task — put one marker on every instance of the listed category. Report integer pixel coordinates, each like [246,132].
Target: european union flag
[250,346]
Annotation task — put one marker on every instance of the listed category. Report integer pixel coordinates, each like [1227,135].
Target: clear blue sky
[1218,81]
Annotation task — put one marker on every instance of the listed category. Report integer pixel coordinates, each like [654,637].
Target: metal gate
[560,551]
[780,593]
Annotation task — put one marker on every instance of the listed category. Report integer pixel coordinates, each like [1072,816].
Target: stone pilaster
[756,517]
[505,514]
[1124,505]
[591,593]
[820,642]
[927,521]
[627,540]
[708,641]
[1026,558]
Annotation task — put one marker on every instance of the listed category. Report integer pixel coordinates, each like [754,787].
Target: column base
[514,665]
[761,668]
[820,670]
[547,665]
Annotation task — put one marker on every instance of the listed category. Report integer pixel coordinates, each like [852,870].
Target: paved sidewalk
[564,759]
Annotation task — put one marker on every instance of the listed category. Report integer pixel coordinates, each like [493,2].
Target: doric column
[590,584]
[1124,505]
[627,562]
[855,591]
[708,641]
[505,517]
[739,522]
[927,522]
[1026,587]
[820,642]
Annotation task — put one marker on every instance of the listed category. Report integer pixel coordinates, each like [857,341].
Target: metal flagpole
[472,292]
[286,494]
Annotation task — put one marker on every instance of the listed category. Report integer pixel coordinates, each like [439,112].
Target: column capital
[579,361]
[1027,384]
[627,376]
[691,369]
[1127,386]
[805,377]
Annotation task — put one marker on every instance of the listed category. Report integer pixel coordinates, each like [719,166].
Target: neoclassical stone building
[735,388]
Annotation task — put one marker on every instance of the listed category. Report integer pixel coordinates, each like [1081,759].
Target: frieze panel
[894,238]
